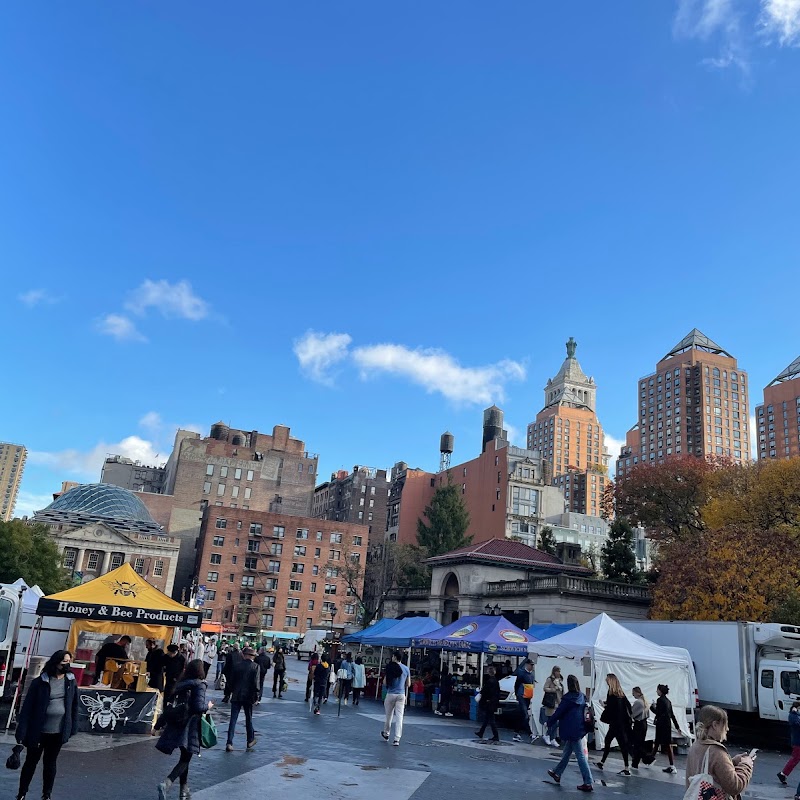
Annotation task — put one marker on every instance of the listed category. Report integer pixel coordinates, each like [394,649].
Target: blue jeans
[248,720]
[575,746]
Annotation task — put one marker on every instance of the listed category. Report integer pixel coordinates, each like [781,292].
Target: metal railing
[404,593]
[569,585]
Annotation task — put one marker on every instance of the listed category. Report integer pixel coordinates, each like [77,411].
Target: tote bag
[702,787]
[208,731]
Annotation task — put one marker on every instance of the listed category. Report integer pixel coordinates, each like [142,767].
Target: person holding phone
[732,775]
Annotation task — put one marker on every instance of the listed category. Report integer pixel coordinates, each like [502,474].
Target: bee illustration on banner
[106,710]
[125,588]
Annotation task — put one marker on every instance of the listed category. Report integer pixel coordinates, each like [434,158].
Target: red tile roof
[507,551]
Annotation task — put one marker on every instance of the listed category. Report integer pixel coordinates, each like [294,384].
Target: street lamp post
[492,612]
[333,615]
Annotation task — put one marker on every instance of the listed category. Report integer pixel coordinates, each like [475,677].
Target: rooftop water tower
[446,445]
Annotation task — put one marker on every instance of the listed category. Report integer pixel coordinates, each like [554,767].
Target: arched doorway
[451,591]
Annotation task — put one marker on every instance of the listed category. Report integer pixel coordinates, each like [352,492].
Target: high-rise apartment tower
[778,417]
[12,464]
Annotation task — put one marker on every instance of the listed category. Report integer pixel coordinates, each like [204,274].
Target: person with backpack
[264,663]
[708,759]
[665,719]
[244,694]
[313,660]
[551,697]
[181,726]
[278,672]
[359,679]
[488,704]
[320,682]
[794,739]
[523,691]
[570,716]
[639,713]
[47,721]
[617,715]
[346,677]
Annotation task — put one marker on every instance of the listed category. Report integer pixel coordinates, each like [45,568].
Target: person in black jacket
[665,719]
[244,693]
[279,670]
[174,665]
[264,663]
[487,705]
[617,715]
[233,657]
[184,732]
[155,665]
[49,717]
[320,680]
[117,650]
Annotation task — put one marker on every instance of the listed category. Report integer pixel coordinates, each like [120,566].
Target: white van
[311,643]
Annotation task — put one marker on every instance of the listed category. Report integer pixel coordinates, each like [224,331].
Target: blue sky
[442,193]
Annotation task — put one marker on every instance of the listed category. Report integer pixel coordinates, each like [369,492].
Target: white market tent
[602,646]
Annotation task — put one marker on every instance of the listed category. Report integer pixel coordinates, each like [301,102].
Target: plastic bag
[208,731]
[13,761]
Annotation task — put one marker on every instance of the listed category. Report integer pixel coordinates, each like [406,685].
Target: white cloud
[87,464]
[29,502]
[318,352]
[35,297]
[613,446]
[438,371]
[702,18]
[172,300]
[120,328]
[781,19]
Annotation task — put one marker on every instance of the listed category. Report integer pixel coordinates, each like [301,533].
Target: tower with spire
[695,403]
[568,433]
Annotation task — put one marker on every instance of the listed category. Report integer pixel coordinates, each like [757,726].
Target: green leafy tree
[448,521]
[617,558]
[547,540]
[28,552]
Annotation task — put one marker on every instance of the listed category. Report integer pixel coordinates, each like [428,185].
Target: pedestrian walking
[570,718]
[244,694]
[233,658]
[639,713]
[617,715]
[174,665]
[397,678]
[551,697]
[278,671]
[665,719]
[794,740]
[709,755]
[488,704]
[346,677]
[221,659]
[155,665]
[445,693]
[181,726]
[523,691]
[49,717]
[359,680]
[264,663]
[313,660]
[320,682]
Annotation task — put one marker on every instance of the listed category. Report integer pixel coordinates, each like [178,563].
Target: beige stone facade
[12,465]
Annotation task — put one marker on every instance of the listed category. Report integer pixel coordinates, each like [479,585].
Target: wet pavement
[345,758]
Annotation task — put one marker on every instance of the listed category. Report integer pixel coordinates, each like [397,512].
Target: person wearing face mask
[709,755]
[49,717]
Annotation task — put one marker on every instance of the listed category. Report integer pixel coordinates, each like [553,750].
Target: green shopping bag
[208,731]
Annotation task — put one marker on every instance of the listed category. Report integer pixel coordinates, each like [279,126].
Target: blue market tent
[479,634]
[541,632]
[379,627]
[401,635]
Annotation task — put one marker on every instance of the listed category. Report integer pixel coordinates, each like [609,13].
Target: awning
[482,633]
[381,626]
[401,634]
[540,632]
[280,634]
[121,595]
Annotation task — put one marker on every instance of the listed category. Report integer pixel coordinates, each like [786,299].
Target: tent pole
[480,669]
[34,632]
[380,664]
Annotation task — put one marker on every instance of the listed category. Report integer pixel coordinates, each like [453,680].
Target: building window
[276,548]
[70,554]
[222,523]
[302,533]
[249,474]
[336,538]
[313,586]
[117,559]
[234,492]
[357,541]
[158,568]
[271,584]
[212,577]
[274,566]
[206,487]
[336,555]
[315,569]
[299,550]
[296,586]
[209,469]
[211,594]
[251,562]
[298,568]
[208,613]
[291,622]
[279,532]
[319,536]
[330,588]
[223,472]
[253,546]
[293,602]
[216,558]
[220,489]
[138,565]
[255,529]
[237,474]
[248,581]
[247,493]
[219,541]
[94,560]
[310,605]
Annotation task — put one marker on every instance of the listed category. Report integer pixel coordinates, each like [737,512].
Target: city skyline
[421,206]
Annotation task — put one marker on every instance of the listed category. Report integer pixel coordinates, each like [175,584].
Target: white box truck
[311,643]
[748,667]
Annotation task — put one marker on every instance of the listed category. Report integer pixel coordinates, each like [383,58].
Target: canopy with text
[479,634]
[121,595]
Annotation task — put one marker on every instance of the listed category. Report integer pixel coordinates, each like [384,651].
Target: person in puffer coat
[191,689]
[569,716]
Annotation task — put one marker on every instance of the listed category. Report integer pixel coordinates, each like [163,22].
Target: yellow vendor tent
[122,602]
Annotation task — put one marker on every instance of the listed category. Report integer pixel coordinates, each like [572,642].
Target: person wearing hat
[244,694]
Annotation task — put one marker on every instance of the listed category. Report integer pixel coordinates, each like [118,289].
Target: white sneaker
[517,737]
[345,702]
[671,771]
[438,713]
[448,714]
[396,743]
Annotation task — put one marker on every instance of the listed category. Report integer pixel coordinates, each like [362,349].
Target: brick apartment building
[695,403]
[568,433]
[266,573]
[778,417]
[231,468]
